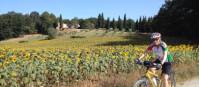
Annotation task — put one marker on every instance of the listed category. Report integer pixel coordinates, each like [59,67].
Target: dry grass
[183,72]
[186,70]
[92,39]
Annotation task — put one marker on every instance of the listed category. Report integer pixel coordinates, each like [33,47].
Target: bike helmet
[155,35]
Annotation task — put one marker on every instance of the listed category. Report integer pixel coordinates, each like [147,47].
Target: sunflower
[13,58]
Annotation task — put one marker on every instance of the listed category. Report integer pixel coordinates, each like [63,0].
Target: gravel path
[189,83]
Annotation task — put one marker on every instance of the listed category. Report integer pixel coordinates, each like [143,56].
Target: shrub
[52,33]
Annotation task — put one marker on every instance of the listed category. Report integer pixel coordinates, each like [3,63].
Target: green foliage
[61,21]
[113,24]
[175,18]
[86,24]
[130,25]
[48,21]
[144,24]
[125,23]
[119,24]
[100,21]
[178,18]
[52,33]
[15,24]
[108,23]
[35,20]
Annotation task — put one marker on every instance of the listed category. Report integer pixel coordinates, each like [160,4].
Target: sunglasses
[155,39]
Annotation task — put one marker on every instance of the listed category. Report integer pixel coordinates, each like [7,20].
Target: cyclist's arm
[164,57]
[143,55]
[165,52]
[146,51]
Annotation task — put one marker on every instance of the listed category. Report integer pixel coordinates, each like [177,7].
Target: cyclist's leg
[166,69]
[165,80]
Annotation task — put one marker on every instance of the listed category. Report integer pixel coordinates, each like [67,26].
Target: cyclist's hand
[138,61]
[158,66]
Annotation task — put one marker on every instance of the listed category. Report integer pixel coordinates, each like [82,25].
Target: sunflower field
[42,67]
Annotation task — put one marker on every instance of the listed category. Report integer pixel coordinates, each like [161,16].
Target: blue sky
[85,8]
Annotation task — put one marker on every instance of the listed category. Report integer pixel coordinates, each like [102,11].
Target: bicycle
[152,80]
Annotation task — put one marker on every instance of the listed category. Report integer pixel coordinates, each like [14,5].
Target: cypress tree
[98,25]
[119,24]
[61,21]
[102,21]
[108,23]
[113,24]
[125,23]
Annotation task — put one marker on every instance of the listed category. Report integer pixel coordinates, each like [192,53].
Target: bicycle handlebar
[148,64]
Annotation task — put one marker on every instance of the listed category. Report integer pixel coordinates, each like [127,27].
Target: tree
[74,22]
[93,20]
[102,21]
[108,23]
[136,25]
[148,25]
[98,25]
[28,27]
[140,24]
[178,18]
[35,19]
[125,23]
[67,21]
[119,23]
[113,24]
[53,20]
[130,25]
[48,20]
[61,21]
[45,16]
[16,23]
[143,24]
[86,24]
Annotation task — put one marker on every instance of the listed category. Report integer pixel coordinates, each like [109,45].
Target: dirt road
[189,83]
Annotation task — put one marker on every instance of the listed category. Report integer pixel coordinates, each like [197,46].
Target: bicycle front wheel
[143,82]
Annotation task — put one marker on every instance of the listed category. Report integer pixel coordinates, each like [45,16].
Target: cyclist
[159,49]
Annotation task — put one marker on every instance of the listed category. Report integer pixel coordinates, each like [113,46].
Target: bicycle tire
[143,82]
[172,79]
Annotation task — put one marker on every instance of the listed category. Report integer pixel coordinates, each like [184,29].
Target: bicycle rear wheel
[172,80]
[143,82]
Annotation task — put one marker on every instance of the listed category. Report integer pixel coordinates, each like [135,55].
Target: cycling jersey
[158,51]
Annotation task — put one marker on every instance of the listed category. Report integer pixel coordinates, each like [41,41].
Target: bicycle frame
[150,75]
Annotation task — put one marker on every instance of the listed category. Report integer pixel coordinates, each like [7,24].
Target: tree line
[121,25]
[175,18]
[14,24]
[101,22]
